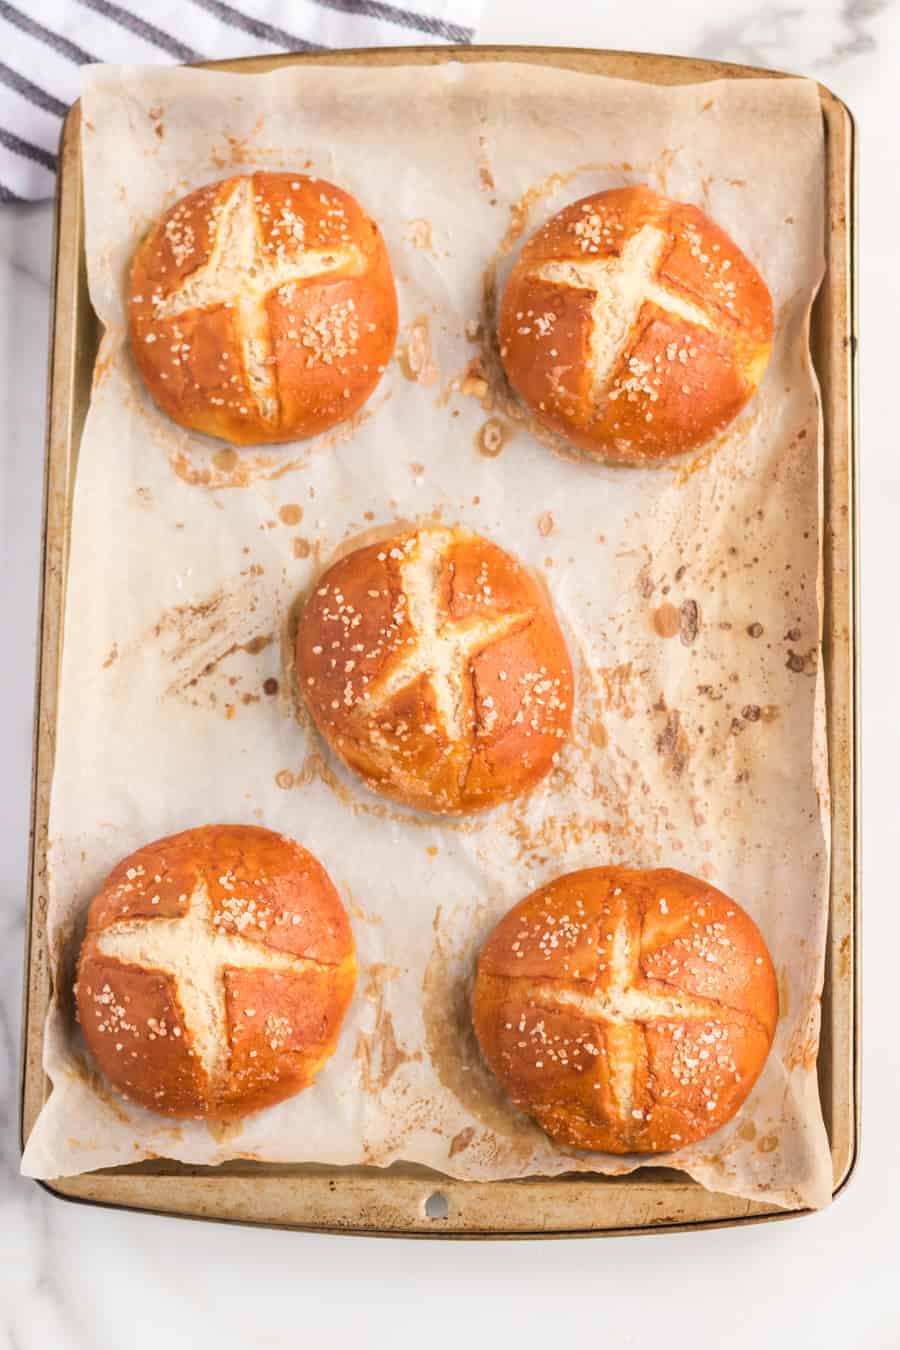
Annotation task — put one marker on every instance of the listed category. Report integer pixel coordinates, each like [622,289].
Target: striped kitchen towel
[45,41]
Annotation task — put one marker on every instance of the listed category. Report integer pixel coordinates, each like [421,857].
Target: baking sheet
[665,765]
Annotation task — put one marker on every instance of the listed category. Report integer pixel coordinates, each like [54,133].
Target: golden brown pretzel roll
[262,308]
[634,326]
[626,1011]
[215,972]
[433,665]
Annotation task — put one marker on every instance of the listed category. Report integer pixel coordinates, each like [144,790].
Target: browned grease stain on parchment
[155,115]
[102,365]
[803,663]
[196,637]
[784,992]
[378,1052]
[378,974]
[685,466]
[97,1085]
[486,179]
[520,210]
[665,620]
[729,1164]
[248,149]
[708,180]
[471,382]
[615,684]
[609,825]
[415,355]
[202,464]
[224,1131]
[726,1159]
[598,735]
[201,461]
[316,767]
[74,1142]
[202,634]
[804,1044]
[201,468]
[418,232]
[672,744]
[461,1141]
[608,799]
[192,640]
[689,622]
[239,149]
[357,910]
[491,437]
[452,1047]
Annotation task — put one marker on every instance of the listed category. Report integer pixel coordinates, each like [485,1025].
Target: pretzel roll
[635,327]
[626,1011]
[215,972]
[262,308]
[434,667]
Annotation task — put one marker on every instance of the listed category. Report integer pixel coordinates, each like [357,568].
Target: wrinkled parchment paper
[689,596]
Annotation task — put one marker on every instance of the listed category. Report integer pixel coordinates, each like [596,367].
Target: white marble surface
[77,1277]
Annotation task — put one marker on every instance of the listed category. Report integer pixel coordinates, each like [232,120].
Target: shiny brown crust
[320,342]
[488,729]
[682,1014]
[273,904]
[667,384]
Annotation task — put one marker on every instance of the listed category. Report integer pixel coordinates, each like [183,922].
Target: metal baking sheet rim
[392,1201]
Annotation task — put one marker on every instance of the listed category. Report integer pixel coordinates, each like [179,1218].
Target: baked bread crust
[433,665]
[626,1011]
[634,326]
[215,972]
[262,308]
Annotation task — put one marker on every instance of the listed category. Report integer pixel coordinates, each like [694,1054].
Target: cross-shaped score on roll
[623,1008]
[621,285]
[194,951]
[241,273]
[433,665]
[442,647]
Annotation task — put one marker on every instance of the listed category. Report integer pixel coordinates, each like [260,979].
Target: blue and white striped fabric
[42,45]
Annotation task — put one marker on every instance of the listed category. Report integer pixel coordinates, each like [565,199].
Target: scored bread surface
[263,308]
[215,971]
[434,666]
[626,1011]
[634,326]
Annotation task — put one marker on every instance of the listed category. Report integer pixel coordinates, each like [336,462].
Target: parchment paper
[689,596]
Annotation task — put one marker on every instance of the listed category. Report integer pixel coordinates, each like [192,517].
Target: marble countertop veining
[75,1277]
